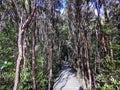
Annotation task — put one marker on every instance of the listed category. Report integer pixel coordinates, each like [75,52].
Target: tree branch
[15,7]
[27,22]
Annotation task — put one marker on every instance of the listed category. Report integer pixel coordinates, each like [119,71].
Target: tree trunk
[103,43]
[33,56]
[87,62]
[111,50]
[50,49]
[20,52]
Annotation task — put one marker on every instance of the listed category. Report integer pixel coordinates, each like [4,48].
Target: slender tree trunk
[33,57]
[111,50]
[51,9]
[87,62]
[24,49]
[20,53]
[50,49]
[22,27]
[103,43]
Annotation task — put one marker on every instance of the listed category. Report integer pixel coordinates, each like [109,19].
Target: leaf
[6,64]
[116,61]
[92,20]
[115,46]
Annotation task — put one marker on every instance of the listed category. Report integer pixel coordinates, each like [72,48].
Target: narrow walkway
[67,80]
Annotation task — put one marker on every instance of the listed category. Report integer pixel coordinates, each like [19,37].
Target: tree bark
[20,53]
[50,49]
[111,50]
[33,57]
[22,27]
[87,61]
[103,43]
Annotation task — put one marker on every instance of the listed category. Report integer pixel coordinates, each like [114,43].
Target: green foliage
[108,79]
[115,46]
[108,29]
[64,32]
[55,66]
[41,72]
[5,64]
[42,80]
[7,53]
[107,87]
[6,46]
[7,78]
[25,82]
